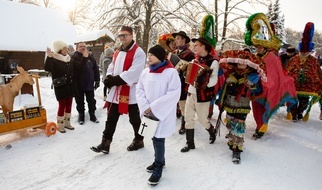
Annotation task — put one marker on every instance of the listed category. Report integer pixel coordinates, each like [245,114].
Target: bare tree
[149,18]
[79,15]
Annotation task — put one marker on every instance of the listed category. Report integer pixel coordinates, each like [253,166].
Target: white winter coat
[161,93]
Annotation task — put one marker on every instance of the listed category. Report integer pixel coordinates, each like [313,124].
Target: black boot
[212,134]
[81,118]
[104,147]
[150,168]
[190,140]
[156,175]
[93,118]
[136,145]
[182,129]
[236,157]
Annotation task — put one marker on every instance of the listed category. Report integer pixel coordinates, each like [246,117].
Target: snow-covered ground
[289,156]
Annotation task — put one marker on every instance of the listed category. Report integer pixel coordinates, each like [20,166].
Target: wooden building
[26,33]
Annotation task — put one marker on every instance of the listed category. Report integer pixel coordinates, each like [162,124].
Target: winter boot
[67,122]
[190,140]
[136,145]
[104,147]
[212,134]
[150,168]
[156,176]
[93,118]
[60,124]
[236,157]
[182,129]
[81,118]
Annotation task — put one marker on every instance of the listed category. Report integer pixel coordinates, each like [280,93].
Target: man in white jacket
[122,75]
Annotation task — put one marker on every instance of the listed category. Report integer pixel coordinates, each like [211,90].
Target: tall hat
[207,30]
[164,41]
[306,45]
[260,33]
[207,35]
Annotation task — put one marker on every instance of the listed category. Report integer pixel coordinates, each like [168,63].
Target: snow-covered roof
[96,35]
[26,27]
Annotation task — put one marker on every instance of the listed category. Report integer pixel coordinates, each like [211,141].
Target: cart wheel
[50,128]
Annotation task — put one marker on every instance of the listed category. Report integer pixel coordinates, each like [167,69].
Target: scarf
[160,67]
[60,57]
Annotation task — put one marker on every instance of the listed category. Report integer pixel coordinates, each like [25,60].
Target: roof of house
[26,27]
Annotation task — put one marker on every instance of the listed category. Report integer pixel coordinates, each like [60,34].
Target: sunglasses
[123,35]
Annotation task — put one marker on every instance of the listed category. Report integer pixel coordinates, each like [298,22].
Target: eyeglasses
[123,35]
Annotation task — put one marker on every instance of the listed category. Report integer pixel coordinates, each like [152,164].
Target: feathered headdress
[207,32]
[260,33]
[306,45]
[164,41]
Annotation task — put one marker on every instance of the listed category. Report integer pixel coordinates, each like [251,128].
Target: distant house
[26,31]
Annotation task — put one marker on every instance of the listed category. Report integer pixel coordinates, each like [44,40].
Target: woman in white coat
[157,93]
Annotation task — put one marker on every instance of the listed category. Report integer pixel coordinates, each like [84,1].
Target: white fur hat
[59,45]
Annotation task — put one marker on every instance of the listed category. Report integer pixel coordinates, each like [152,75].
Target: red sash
[125,89]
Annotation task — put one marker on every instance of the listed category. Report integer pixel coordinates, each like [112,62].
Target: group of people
[74,74]
[169,84]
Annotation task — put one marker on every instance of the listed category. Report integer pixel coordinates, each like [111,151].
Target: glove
[114,81]
[96,84]
[106,79]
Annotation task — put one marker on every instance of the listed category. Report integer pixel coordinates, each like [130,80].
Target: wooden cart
[31,117]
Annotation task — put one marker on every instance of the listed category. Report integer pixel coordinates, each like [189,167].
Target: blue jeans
[159,150]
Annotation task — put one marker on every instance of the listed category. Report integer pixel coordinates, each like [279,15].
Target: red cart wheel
[50,128]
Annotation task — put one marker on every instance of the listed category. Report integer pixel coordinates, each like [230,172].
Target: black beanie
[158,52]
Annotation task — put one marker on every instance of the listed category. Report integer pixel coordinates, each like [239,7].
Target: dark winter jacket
[187,55]
[87,72]
[58,69]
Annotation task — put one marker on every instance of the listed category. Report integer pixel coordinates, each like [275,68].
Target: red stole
[125,89]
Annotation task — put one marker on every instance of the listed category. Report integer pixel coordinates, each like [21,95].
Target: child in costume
[242,71]
[307,74]
[157,94]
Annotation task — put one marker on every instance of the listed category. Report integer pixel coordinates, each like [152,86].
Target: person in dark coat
[62,69]
[290,52]
[184,53]
[87,79]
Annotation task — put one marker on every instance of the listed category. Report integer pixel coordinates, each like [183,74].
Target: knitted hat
[127,28]
[158,52]
[59,45]
[108,51]
[164,41]
[260,33]
[306,44]
[183,34]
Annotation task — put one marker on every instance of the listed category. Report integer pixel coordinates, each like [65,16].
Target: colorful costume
[241,84]
[307,75]
[279,87]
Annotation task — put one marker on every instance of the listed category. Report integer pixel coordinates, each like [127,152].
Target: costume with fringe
[279,87]
[240,86]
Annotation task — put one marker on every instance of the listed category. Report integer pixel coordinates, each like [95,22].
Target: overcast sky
[298,12]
